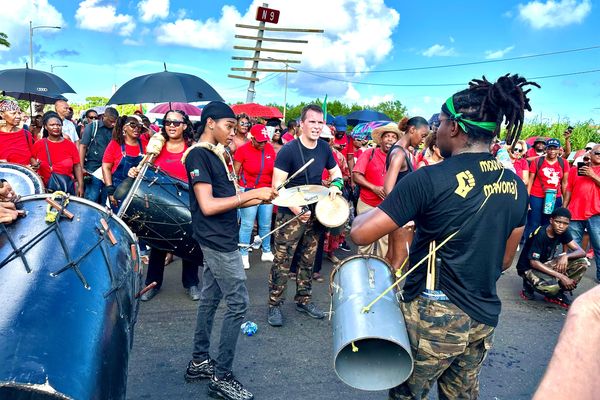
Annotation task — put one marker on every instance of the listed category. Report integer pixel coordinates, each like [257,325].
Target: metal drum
[160,215]
[371,350]
[67,302]
[23,180]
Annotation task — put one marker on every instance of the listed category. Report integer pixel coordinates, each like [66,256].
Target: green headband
[462,121]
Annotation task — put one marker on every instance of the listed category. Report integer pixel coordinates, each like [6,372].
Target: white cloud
[356,39]
[552,14]
[493,54]
[439,50]
[426,99]
[101,18]
[153,9]
[209,34]
[451,39]
[131,42]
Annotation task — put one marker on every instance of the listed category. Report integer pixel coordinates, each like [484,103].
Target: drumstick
[144,290]
[148,158]
[295,174]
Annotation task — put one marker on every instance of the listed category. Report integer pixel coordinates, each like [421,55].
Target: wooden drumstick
[57,206]
[295,174]
[144,290]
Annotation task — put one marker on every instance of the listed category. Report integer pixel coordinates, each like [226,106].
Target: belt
[435,295]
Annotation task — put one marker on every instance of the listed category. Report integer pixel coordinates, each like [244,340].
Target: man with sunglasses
[582,198]
[96,136]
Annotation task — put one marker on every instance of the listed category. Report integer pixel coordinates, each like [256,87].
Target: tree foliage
[4,40]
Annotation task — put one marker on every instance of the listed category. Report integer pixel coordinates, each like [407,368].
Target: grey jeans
[223,277]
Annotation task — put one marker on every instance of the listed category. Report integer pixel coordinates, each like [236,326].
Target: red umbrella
[189,109]
[532,139]
[257,110]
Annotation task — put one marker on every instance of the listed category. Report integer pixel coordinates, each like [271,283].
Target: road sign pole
[251,92]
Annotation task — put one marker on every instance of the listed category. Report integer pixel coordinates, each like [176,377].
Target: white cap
[326,133]
[590,145]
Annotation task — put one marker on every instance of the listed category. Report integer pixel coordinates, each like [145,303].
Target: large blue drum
[68,302]
[23,180]
[160,215]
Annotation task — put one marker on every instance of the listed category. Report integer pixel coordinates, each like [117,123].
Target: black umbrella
[23,81]
[164,87]
[360,116]
[35,97]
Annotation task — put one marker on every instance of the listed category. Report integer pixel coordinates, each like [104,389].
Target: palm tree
[3,41]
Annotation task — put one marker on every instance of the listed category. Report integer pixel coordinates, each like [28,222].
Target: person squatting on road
[471,212]
[214,199]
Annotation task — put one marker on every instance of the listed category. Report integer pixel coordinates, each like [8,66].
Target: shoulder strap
[94,130]
[303,160]
[372,153]
[48,154]
[409,163]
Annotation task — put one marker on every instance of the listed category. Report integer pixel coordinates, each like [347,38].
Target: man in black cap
[214,199]
[537,150]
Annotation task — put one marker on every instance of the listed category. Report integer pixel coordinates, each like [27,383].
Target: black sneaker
[228,388]
[311,309]
[344,246]
[527,293]
[196,371]
[274,317]
[561,299]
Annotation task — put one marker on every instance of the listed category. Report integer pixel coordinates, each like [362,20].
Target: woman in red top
[546,172]
[253,163]
[177,132]
[369,173]
[518,160]
[57,155]
[123,152]
[16,144]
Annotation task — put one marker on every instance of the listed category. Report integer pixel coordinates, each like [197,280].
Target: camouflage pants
[448,347]
[286,240]
[548,285]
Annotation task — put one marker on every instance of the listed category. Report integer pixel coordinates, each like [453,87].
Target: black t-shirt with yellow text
[441,199]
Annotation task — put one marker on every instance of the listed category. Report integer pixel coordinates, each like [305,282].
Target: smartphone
[579,165]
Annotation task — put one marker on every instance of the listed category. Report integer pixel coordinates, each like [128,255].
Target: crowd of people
[415,188]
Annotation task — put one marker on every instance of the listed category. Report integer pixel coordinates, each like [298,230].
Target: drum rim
[29,172]
[338,198]
[89,203]
[335,268]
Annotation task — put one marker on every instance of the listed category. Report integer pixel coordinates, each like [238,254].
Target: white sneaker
[246,261]
[268,256]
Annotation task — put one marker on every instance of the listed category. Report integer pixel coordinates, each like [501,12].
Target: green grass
[583,132]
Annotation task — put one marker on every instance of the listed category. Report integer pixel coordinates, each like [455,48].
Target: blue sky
[104,43]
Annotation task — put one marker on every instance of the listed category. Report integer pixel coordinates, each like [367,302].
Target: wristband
[338,183]
[110,190]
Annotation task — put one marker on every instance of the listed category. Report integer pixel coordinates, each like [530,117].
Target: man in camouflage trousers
[303,231]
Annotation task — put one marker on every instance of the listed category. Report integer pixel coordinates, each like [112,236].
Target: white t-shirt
[69,131]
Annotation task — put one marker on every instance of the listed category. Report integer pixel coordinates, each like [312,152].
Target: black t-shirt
[290,160]
[540,247]
[95,150]
[217,232]
[440,199]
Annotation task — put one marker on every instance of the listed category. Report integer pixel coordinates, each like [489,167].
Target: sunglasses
[134,125]
[245,124]
[596,153]
[517,150]
[93,117]
[173,122]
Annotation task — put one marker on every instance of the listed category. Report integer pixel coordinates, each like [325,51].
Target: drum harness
[433,262]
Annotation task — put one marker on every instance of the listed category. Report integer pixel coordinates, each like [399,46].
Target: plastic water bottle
[503,157]
[249,328]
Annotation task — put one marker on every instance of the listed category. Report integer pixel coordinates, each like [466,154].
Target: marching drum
[159,213]
[371,349]
[68,305]
[23,180]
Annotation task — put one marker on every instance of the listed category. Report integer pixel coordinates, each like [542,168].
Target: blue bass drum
[68,304]
[23,180]
[160,215]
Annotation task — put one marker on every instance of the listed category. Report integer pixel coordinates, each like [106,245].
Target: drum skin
[160,215]
[23,180]
[66,335]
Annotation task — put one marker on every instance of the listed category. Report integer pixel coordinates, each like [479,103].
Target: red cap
[259,133]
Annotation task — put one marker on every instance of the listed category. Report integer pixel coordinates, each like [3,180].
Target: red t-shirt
[16,147]
[550,175]
[521,165]
[250,158]
[531,153]
[585,195]
[348,148]
[171,163]
[64,156]
[374,171]
[113,153]
[287,137]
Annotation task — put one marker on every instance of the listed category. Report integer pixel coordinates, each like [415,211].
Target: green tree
[393,109]
[3,40]
[95,101]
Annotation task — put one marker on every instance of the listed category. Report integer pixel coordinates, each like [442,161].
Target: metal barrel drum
[67,301]
[371,350]
[23,180]
[160,215]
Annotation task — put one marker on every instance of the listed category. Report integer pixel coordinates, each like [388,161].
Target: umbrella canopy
[330,119]
[360,116]
[188,108]
[257,110]
[157,117]
[164,87]
[363,130]
[21,81]
[35,97]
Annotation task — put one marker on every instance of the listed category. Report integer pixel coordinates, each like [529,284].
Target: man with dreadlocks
[470,214]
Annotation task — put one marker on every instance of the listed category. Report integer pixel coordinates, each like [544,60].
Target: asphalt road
[294,362]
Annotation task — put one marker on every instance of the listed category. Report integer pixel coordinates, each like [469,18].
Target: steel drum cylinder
[371,351]
[67,303]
